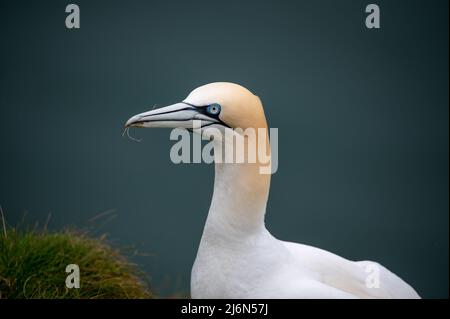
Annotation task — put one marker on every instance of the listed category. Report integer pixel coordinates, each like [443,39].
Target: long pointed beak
[179,115]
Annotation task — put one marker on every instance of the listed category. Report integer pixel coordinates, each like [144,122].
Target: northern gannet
[237,256]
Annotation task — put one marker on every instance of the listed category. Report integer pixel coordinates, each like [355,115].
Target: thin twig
[100,215]
[46,223]
[3,222]
[127,131]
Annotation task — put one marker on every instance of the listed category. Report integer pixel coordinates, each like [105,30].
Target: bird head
[219,105]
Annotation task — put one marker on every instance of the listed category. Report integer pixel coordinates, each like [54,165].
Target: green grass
[33,264]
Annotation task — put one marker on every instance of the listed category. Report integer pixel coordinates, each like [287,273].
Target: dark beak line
[138,120]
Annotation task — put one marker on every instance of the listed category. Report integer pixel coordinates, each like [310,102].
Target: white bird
[237,256]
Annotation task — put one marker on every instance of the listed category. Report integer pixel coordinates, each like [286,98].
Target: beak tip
[131,121]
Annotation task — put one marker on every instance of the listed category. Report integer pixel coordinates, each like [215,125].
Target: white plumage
[238,257]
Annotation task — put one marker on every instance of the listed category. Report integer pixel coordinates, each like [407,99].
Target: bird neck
[239,200]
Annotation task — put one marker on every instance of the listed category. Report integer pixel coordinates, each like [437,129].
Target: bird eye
[213,109]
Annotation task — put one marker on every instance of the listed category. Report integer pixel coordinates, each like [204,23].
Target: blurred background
[362,117]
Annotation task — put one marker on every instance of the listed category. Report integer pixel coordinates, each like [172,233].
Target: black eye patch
[207,110]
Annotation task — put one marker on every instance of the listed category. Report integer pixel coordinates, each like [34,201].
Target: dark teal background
[362,118]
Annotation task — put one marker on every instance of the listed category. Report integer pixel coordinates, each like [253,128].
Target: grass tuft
[33,264]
